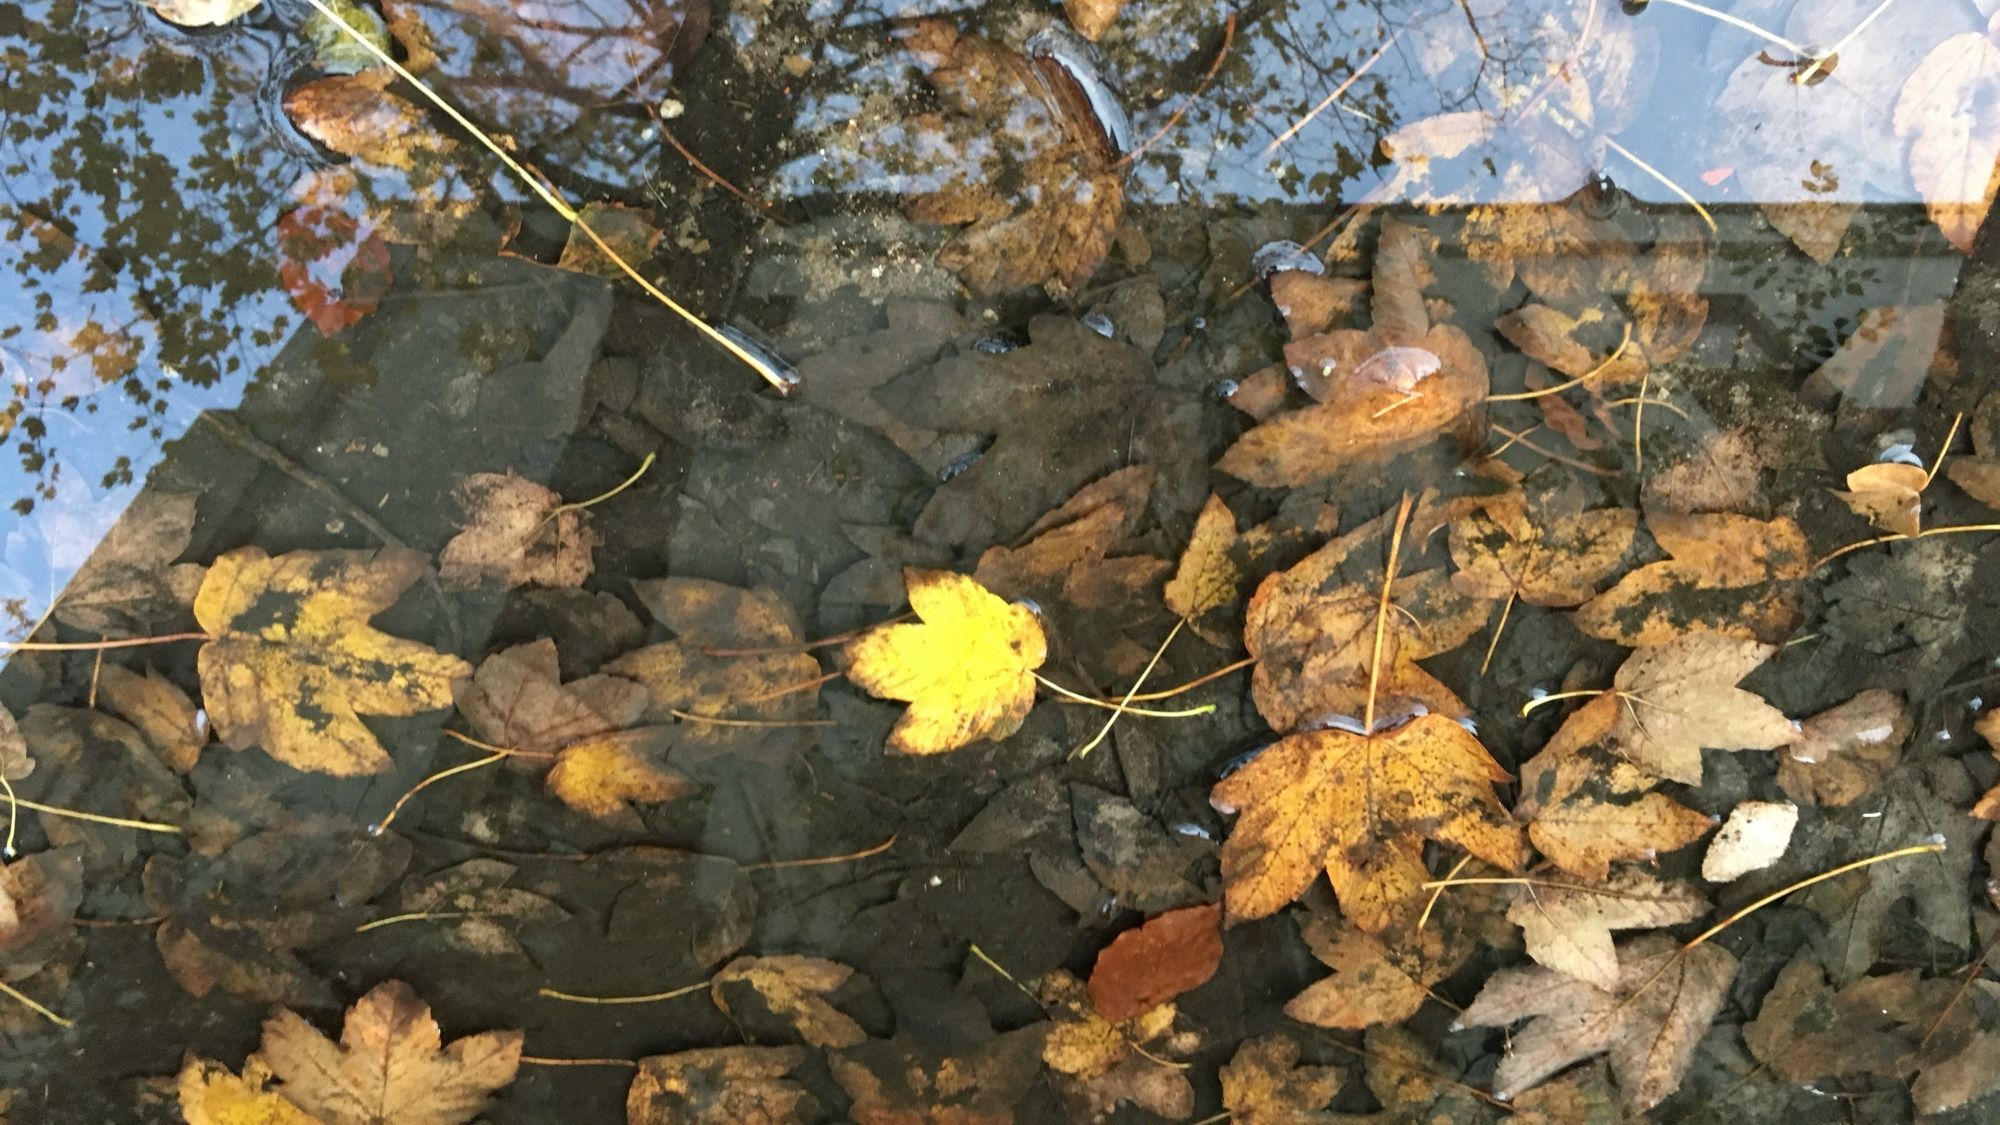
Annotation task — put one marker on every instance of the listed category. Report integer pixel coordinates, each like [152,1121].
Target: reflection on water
[254,282]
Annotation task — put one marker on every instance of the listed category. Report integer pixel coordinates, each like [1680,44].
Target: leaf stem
[381,826]
[1942,450]
[1524,396]
[648,998]
[601,497]
[1382,616]
[823,860]
[1105,731]
[1092,701]
[100,646]
[34,1005]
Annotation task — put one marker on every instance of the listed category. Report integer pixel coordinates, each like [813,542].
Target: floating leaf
[967,670]
[293,662]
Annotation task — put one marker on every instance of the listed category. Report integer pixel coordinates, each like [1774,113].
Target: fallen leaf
[1567,926]
[1861,913]
[604,775]
[721,1086]
[515,536]
[211,1095]
[1142,968]
[1720,474]
[1754,837]
[1668,703]
[1650,1024]
[130,580]
[390,1067]
[1361,421]
[15,761]
[1098,1063]
[768,689]
[1584,835]
[1359,806]
[1376,980]
[475,910]
[1945,115]
[1263,1084]
[39,896]
[967,670]
[903,1081]
[793,989]
[1844,752]
[152,703]
[1215,570]
[1548,553]
[1886,360]
[1030,174]
[1910,602]
[517,699]
[1583,1096]
[293,659]
[1728,573]
[1888,494]
[1988,728]
[1979,475]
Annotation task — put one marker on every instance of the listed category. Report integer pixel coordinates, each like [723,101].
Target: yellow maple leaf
[293,661]
[967,670]
[211,1095]
[1360,806]
[388,1068]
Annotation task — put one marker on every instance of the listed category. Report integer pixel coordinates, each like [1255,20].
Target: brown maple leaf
[1585,834]
[1728,572]
[1567,926]
[390,1067]
[1376,980]
[1098,1064]
[1979,475]
[1669,702]
[1210,584]
[1845,751]
[1359,806]
[1650,1024]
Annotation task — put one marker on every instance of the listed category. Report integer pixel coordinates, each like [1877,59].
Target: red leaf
[1144,968]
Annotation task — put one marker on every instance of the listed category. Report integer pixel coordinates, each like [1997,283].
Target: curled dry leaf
[1142,968]
[967,670]
[1376,980]
[793,989]
[390,1064]
[294,663]
[1845,751]
[1728,573]
[1097,1062]
[1888,494]
[1263,1084]
[514,536]
[1650,1024]
[1567,926]
[1754,837]
[721,1086]
[1359,806]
